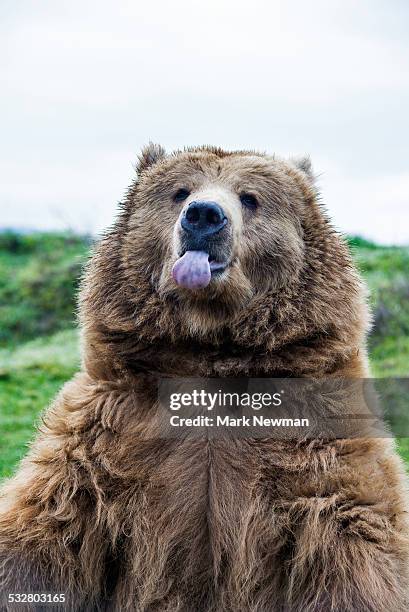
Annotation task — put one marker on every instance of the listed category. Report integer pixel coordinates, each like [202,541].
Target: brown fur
[106,511]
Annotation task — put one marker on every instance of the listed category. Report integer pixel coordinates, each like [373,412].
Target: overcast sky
[84,84]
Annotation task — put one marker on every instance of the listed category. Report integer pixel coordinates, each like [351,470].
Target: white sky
[84,84]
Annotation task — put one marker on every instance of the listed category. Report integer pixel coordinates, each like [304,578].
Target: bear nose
[203,218]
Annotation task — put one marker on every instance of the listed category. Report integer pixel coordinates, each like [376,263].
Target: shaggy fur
[116,517]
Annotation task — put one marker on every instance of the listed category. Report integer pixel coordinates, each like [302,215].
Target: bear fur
[112,515]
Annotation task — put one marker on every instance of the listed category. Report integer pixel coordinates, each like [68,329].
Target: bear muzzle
[204,251]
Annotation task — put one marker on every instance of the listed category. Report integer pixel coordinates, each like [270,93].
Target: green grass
[30,376]
[39,348]
[386,270]
[39,276]
[403,448]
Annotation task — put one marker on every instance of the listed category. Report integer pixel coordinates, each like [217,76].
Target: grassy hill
[39,343]
[386,270]
[38,281]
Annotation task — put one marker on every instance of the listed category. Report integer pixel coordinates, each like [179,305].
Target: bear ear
[149,155]
[304,164]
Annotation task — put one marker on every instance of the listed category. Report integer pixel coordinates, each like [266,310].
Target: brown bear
[219,264]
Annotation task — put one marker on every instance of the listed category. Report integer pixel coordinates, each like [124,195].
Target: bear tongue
[192,271]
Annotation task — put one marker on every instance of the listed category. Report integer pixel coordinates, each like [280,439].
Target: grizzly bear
[219,265]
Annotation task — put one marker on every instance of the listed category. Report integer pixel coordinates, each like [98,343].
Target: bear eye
[249,201]
[181,195]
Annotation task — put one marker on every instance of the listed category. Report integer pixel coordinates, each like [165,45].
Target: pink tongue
[192,270]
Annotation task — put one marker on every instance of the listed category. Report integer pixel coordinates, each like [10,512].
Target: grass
[403,448]
[386,270]
[39,344]
[30,376]
[39,275]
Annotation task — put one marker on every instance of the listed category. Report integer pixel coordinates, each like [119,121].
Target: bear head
[222,247]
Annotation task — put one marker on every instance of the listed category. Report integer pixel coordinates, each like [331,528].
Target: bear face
[222,247]
[260,203]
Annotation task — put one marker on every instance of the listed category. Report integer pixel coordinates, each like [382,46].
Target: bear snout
[201,220]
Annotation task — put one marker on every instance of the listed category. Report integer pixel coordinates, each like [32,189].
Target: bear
[220,264]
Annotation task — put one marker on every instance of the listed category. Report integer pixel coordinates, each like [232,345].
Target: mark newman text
[244,421]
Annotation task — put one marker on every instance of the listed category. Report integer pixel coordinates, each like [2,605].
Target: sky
[85,84]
